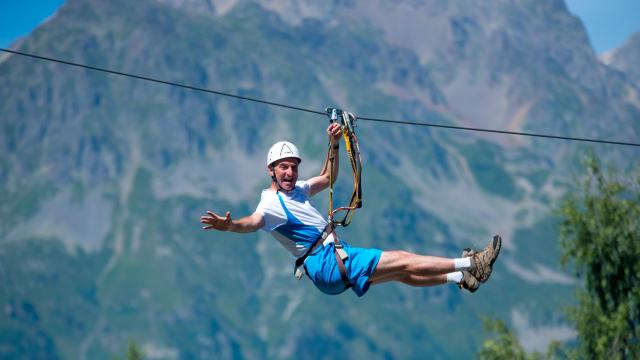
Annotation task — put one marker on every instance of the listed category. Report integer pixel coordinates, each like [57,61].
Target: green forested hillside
[103,178]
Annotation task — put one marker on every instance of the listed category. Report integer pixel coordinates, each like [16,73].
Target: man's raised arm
[246,224]
[321,181]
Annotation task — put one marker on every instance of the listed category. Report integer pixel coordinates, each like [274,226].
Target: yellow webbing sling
[347,121]
[353,151]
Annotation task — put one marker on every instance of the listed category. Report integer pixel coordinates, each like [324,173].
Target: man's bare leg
[412,269]
[422,270]
[416,280]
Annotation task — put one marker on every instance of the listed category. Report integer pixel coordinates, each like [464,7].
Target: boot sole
[497,246]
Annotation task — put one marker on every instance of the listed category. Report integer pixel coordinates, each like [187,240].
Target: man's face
[286,172]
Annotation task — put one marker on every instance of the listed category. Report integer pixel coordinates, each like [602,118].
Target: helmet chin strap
[275,180]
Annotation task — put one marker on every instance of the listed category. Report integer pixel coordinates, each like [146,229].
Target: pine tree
[600,237]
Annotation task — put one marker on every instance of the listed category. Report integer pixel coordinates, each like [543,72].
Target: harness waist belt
[328,230]
[338,251]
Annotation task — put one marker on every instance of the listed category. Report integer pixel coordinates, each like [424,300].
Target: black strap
[299,261]
[341,267]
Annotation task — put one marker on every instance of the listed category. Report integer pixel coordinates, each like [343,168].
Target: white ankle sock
[454,277]
[462,263]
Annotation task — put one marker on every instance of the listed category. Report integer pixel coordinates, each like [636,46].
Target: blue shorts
[322,268]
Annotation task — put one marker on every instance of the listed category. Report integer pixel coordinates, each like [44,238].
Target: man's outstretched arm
[246,224]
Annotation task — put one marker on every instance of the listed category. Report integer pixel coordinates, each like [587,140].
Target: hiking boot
[466,252]
[482,261]
[468,282]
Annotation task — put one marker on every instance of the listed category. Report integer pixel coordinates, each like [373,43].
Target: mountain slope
[103,177]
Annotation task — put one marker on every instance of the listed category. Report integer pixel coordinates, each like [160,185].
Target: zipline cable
[291,107]
[170,83]
[499,131]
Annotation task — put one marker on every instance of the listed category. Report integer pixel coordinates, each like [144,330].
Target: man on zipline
[334,266]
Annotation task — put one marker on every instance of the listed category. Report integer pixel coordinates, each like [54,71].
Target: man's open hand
[215,221]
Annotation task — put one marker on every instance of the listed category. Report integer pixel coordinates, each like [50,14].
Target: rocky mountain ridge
[626,58]
[103,178]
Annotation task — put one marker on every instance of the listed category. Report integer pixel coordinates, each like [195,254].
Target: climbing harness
[347,120]
[323,236]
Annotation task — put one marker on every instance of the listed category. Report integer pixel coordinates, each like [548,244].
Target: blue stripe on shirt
[295,230]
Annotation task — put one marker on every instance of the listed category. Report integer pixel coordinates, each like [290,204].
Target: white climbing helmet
[281,150]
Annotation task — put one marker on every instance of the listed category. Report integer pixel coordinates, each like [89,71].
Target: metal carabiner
[333,114]
[349,120]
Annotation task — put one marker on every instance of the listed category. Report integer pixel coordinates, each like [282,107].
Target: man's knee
[401,260]
[400,254]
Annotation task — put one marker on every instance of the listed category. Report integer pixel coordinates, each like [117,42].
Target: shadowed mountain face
[103,178]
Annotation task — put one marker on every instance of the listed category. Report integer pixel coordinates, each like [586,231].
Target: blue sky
[609,23]
[19,17]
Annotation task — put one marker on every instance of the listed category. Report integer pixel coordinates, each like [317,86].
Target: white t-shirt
[291,218]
